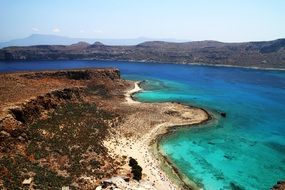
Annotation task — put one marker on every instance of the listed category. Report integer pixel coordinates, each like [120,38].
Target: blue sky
[223,20]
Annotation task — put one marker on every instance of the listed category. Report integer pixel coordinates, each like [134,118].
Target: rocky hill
[52,125]
[265,54]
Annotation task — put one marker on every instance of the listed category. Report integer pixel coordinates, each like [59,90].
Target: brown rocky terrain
[77,129]
[265,54]
[57,130]
[52,125]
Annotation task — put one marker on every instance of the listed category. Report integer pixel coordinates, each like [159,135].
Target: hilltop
[48,39]
[264,54]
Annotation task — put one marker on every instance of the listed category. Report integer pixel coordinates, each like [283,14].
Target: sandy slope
[137,146]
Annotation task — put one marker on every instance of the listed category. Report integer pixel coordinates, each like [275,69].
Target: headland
[79,128]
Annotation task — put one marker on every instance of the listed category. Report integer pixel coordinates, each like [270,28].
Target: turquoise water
[245,150]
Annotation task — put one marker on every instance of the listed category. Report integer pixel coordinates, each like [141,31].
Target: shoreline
[186,182]
[150,61]
[191,63]
[145,149]
[129,94]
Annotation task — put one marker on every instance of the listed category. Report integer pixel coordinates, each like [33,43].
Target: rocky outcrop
[52,127]
[18,118]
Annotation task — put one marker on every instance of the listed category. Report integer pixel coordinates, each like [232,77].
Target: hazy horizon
[221,20]
[142,38]
[92,38]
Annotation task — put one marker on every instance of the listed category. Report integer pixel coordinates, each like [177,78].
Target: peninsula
[80,129]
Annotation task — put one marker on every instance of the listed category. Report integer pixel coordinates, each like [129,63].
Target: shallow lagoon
[245,150]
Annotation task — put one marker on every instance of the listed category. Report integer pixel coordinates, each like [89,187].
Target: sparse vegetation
[68,141]
[264,54]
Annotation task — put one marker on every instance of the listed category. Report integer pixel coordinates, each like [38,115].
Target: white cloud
[35,29]
[56,30]
[97,31]
[82,31]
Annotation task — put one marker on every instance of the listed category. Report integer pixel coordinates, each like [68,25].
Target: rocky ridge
[264,54]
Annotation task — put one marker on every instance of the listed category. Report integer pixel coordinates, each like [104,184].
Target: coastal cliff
[52,124]
[21,105]
[265,54]
[17,118]
[78,129]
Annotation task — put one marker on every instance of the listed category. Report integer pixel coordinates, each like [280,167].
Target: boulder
[27,181]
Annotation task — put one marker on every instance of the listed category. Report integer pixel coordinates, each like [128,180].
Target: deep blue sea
[245,150]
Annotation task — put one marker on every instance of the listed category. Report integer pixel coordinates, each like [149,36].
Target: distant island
[263,54]
[51,39]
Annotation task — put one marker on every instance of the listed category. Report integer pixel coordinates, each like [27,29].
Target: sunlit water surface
[245,150]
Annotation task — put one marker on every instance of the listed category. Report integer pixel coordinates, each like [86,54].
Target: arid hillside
[265,54]
[52,126]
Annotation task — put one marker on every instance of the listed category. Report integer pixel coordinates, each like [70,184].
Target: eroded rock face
[17,118]
[33,109]
[52,127]
[11,126]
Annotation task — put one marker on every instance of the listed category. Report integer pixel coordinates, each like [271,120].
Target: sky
[222,20]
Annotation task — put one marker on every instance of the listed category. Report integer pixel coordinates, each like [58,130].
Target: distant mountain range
[264,54]
[43,39]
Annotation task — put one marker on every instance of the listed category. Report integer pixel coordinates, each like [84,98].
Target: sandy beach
[138,146]
[129,94]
